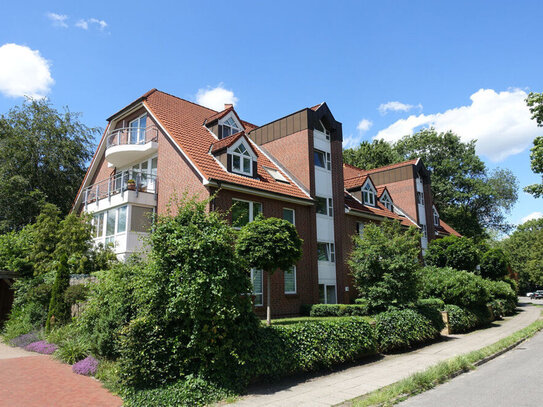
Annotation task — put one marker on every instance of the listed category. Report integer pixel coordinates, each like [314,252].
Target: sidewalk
[32,380]
[355,381]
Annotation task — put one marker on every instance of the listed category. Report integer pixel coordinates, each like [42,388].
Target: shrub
[384,262]
[452,251]
[460,319]
[76,293]
[43,347]
[59,311]
[455,287]
[502,292]
[431,308]
[72,350]
[191,318]
[494,265]
[110,307]
[86,367]
[401,329]
[307,346]
[338,310]
[192,391]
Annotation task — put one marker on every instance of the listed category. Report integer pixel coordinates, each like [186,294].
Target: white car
[529,295]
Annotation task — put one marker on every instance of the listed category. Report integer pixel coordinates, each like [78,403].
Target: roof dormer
[386,200]
[236,154]
[369,193]
[225,123]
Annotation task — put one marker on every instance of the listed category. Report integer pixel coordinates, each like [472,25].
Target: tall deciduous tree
[268,244]
[369,155]
[535,103]
[43,158]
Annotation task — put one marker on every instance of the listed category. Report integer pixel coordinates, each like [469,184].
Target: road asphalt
[512,379]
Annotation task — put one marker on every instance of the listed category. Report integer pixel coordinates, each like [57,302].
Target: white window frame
[251,157]
[327,159]
[140,135]
[329,206]
[105,238]
[436,216]
[276,175]
[330,252]
[251,209]
[326,301]
[387,201]
[293,268]
[368,191]
[293,215]
[225,125]
[253,292]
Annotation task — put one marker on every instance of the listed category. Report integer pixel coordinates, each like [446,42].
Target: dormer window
[368,194]
[229,127]
[387,202]
[436,217]
[242,161]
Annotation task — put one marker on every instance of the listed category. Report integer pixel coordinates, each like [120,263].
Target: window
[257,282]
[359,228]
[145,174]
[109,223]
[325,206]
[276,175]
[322,128]
[420,198]
[322,159]
[229,127]
[424,231]
[327,294]
[141,219]
[290,280]
[137,130]
[244,212]
[288,214]
[368,194]
[436,217]
[326,252]
[385,199]
[242,162]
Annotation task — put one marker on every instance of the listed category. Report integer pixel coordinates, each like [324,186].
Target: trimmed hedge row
[307,346]
[464,320]
[338,310]
[401,329]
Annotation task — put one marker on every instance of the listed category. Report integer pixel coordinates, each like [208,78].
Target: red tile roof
[444,228]
[353,204]
[380,191]
[225,142]
[316,107]
[219,115]
[183,121]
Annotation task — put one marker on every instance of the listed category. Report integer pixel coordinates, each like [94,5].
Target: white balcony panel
[320,142]
[127,243]
[323,182]
[122,198]
[325,228]
[125,154]
[327,273]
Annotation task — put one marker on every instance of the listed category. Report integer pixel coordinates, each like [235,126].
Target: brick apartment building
[291,168]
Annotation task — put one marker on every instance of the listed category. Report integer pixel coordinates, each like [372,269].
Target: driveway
[31,380]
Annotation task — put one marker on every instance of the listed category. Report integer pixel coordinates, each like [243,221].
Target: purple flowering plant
[86,366]
[43,347]
[23,340]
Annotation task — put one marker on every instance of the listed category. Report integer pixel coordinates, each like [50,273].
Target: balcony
[130,144]
[122,188]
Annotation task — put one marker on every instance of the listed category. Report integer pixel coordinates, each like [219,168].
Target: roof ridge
[185,100]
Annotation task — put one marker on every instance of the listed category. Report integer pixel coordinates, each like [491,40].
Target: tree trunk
[268,308]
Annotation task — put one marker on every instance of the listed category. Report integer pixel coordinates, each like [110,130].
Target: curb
[499,353]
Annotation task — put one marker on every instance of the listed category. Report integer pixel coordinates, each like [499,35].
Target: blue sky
[385,68]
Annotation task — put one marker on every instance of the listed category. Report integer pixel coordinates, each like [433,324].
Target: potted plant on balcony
[131,185]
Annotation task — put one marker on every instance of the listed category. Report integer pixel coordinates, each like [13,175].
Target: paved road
[334,388]
[31,380]
[513,379]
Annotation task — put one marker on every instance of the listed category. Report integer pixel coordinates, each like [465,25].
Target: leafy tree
[524,249]
[494,265]
[45,237]
[59,310]
[193,316]
[535,103]
[369,155]
[384,264]
[459,253]
[14,251]
[43,158]
[268,244]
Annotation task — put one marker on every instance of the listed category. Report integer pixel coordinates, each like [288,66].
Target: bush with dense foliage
[76,293]
[59,310]
[307,346]
[459,253]
[503,296]
[402,329]
[192,316]
[461,319]
[338,310]
[384,264]
[457,287]
[431,308]
[494,265]
[111,306]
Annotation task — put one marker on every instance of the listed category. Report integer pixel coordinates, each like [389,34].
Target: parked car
[529,295]
[537,295]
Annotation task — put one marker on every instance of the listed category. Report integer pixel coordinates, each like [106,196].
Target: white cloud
[23,72]
[396,106]
[215,98]
[84,24]
[364,125]
[58,20]
[500,122]
[532,216]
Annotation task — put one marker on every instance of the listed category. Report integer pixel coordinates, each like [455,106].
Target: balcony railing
[129,180]
[131,135]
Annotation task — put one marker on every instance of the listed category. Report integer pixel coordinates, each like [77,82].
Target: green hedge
[502,296]
[431,308]
[338,310]
[464,320]
[286,349]
[401,329]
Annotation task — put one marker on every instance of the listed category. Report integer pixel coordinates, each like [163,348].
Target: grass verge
[441,372]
